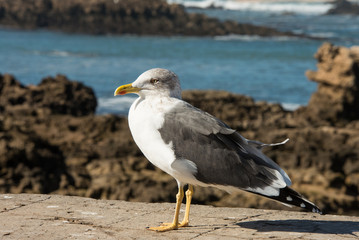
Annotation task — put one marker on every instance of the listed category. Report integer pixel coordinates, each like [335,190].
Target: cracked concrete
[29,216]
[16,205]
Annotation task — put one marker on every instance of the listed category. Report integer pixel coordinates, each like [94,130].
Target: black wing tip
[315,209]
[288,196]
[297,199]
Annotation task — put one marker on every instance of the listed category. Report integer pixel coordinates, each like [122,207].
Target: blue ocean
[270,69]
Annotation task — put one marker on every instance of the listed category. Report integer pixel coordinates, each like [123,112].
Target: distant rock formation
[337,98]
[54,95]
[51,141]
[150,17]
[344,7]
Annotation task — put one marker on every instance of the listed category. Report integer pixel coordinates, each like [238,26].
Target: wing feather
[222,156]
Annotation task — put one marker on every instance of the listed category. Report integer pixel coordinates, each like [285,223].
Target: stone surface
[28,216]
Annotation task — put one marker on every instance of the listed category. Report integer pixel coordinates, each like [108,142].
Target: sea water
[270,69]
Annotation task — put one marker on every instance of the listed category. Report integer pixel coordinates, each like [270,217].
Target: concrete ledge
[28,216]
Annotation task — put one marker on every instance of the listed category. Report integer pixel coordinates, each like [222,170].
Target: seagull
[197,149]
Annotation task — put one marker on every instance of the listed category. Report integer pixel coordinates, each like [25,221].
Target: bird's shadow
[303,226]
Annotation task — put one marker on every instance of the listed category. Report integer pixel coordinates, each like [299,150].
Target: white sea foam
[119,105]
[298,7]
[60,53]
[290,106]
[235,37]
[251,38]
[323,34]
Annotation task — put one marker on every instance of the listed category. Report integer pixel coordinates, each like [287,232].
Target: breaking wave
[251,38]
[116,105]
[280,7]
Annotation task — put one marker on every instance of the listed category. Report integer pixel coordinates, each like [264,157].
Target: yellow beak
[124,89]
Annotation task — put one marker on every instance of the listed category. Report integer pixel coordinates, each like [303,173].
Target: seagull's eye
[154,80]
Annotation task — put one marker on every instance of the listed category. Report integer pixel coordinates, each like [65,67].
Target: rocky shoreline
[52,142]
[152,17]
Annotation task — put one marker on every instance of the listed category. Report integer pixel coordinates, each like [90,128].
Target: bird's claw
[164,227]
[182,224]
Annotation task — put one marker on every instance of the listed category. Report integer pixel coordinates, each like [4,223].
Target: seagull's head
[156,81]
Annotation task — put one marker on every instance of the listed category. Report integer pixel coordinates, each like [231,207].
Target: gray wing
[222,156]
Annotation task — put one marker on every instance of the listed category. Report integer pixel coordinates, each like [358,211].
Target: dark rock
[337,98]
[344,7]
[57,95]
[64,97]
[28,163]
[152,17]
[12,92]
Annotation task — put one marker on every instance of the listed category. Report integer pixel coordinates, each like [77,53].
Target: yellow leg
[189,194]
[174,224]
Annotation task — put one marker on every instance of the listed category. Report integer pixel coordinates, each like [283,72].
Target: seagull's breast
[145,118]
